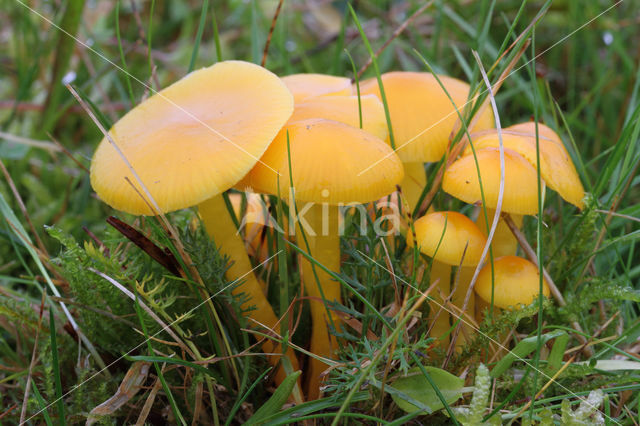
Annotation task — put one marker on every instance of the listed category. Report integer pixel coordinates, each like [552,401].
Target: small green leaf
[417,387]
[277,400]
[522,349]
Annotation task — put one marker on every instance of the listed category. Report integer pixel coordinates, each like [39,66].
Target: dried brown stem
[395,35]
[273,26]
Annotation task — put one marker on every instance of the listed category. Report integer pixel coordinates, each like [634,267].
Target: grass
[580,75]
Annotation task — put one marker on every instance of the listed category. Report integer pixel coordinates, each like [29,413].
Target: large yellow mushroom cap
[330,163]
[516,281]
[556,167]
[446,236]
[520,183]
[422,115]
[305,86]
[345,109]
[194,139]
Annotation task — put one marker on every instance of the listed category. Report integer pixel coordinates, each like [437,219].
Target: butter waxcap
[556,167]
[520,181]
[304,86]
[422,115]
[194,139]
[516,282]
[330,163]
[345,109]
[447,236]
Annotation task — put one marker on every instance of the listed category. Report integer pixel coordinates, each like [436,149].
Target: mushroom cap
[520,183]
[460,233]
[556,167]
[517,281]
[330,163]
[422,116]
[304,86]
[345,109]
[192,140]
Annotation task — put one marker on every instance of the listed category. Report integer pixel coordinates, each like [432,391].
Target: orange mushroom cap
[193,139]
[447,236]
[304,86]
[345,109]
[329,162]
[516,281]
[520,183]
[422,115]
[556,167]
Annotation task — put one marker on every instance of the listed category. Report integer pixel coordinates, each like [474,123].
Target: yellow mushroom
[422,118]
[556,167]
[327,158]
[345,109]
[451,239]
[556,170]
[516,282]
[304,86]
[188,144]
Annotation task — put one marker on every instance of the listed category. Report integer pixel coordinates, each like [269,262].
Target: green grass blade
[196,46]
[64,50]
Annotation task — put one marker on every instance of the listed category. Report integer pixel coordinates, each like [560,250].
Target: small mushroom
[516,281]
[556,170]
[556,167]
[422,119]
[327,163]
[189,143]
[451,239]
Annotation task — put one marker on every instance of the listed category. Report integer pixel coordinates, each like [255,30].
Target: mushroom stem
[439,313]
[320,226]
[415,179]
[223,231]
[466,330]
[504,243]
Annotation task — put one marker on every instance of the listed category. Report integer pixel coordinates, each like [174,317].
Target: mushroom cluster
[319,144]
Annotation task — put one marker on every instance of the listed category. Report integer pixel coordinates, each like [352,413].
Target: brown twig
[395,35]
[273,26]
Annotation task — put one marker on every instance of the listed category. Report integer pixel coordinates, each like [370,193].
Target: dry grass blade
[46,145]
[129,387]
[32,365]
[68,153]
[496,216]
[130,295]
[148,404]
[197,410]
